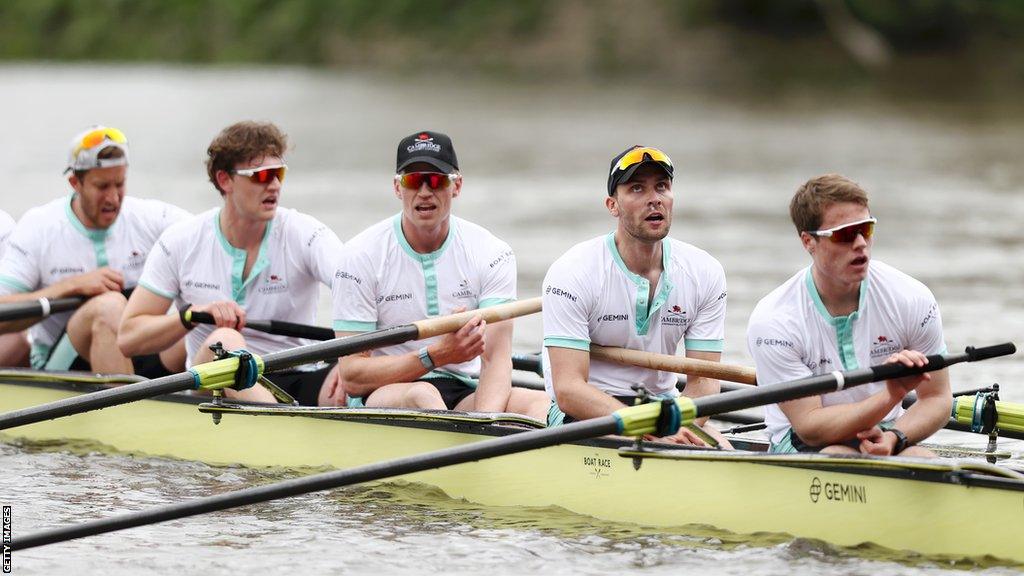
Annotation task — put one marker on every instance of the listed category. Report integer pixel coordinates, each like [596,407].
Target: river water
[944,179]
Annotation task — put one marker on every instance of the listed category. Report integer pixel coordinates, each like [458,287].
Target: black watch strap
[901,440]
[183,315]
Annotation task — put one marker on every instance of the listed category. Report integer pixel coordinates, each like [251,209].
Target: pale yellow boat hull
[934,508]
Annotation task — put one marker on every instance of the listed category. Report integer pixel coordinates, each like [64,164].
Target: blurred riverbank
[929,49]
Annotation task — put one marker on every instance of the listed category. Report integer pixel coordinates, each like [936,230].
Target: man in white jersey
[14,348]
[632,288]
[420,263]
[92,243]
[841,313]
[249,258]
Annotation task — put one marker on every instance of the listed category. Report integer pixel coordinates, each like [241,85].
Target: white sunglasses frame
[830,231]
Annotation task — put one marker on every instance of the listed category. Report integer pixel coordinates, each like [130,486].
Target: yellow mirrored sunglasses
[95,137]
[636,156]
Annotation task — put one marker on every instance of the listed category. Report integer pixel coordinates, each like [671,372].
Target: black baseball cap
[433,148]
[644,155]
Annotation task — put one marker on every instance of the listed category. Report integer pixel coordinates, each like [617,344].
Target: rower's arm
[88,284]
[819,425]
[570,374]
[363,373]
[495,387]
[696,385]
[931,411]
[146,327]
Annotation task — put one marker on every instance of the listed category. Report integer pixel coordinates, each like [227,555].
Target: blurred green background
[956,44]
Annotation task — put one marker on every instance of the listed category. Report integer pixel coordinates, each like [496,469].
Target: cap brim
[439,164]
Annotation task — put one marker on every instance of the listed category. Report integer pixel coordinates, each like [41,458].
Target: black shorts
[148,366]
[627,400]
[452,390]
[303,386]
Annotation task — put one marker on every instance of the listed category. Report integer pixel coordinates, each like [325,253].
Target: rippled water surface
[945,185]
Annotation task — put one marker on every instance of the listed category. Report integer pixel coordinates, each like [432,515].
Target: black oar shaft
[36,309]
[185,380]
[740,399]
[277,327]
[272,362]
[408,465]
[97,400]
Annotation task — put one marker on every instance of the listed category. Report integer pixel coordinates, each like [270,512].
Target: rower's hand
[900,387]
[98,281]
[332,392]
[461,346]
[876,442]
[226,313]
[684,436]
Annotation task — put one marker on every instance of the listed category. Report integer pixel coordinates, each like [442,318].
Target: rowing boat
[944,508]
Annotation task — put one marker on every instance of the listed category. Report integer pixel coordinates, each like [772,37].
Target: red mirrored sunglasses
[847,233]
[434,180]
[263,174]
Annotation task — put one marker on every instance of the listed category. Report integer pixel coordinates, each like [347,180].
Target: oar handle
[677,364]
[436,326]
[277,327]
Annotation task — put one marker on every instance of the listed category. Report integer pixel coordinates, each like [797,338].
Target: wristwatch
[183,315]
[901,440]
[425,359]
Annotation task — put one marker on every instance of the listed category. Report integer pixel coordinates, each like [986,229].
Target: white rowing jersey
[6,226]
[50,244]
[382,282]
[590,297]
[791,335]
[194,263]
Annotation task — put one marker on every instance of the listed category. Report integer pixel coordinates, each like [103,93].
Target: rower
[249,257]
[14,347]
[425,262]
[632,288]
[92,243]
[841,313]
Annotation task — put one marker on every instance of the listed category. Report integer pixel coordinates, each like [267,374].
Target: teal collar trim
[644,312]
[98,236]
[426,262]
[238,257]
[842,324]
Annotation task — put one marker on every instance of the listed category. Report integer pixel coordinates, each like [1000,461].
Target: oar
[277,327]
[282,328]
[1006,417]
[40,308]
[631,421]
[678,364]
[221,373]
[532,363]
[666,362]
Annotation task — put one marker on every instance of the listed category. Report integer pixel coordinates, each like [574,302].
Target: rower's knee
[104,312]
[839,449]
[424,396]
[229,338]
